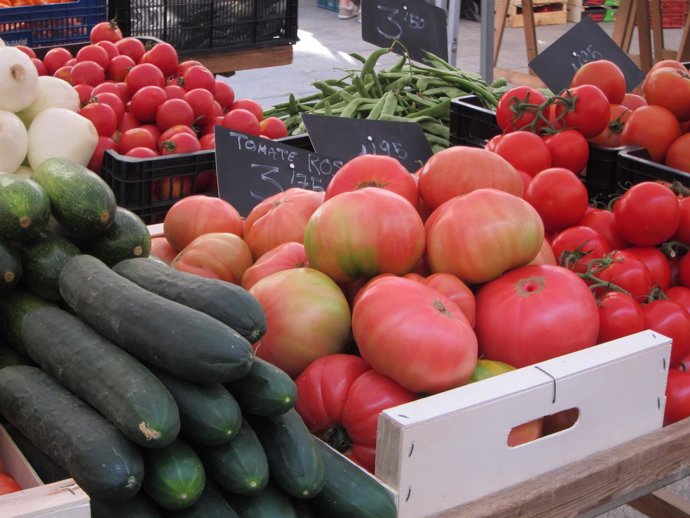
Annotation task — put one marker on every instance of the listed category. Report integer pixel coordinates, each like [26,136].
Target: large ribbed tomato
[307,317]
[414,334]
[283,257]
[535,313]
[363,233]
[216,255]
[482,234]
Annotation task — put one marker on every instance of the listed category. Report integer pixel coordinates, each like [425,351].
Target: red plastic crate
[673,13]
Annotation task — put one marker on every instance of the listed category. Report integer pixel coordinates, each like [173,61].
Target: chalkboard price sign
[251,169]
[347,138]
[416,24]
[584,42]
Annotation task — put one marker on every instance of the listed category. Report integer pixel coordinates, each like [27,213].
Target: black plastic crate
[634,166]
[470,123]
[208,26]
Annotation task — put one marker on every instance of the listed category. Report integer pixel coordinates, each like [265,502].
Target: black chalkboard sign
[584,42]
[250,169]
[416,24]
[347,138]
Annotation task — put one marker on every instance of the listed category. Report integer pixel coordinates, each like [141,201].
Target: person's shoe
[345,13]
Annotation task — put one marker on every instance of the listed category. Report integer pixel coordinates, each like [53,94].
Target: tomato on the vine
[656,262]
[584,108]
[604,222]
[611,136]
[575,247]
[516,109]
[626,272]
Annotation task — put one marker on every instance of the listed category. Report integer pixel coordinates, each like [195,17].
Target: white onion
[18,80]
[2,43]
[52,93]
[14,141]
[61,133]
[24,170]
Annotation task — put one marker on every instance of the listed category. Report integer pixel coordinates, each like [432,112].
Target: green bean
[358,57]
[375,112]
[370,62]
[359,85]
[436,128]
[434,139]
[445,91]
[325,88]
[389,104]
[351,107]
[437,110]
[420,100]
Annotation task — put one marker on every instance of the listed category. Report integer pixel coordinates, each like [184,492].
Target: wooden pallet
[546,12]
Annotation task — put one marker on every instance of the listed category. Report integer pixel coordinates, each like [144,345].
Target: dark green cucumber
[9,356]
[270,502]
[140,506]
[10,265]
[293,461]
[24,207]
[303,508]
[112,381]
[161,332]
[208,412]
[265,390]
[349,491]
[45,467]
[239,466]
[95,453]
[43,259]
[224,301]
[13,308]
[175,476]
[126,238]
[80,200]
[212,504]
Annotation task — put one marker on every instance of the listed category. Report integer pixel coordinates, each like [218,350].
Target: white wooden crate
[449,449]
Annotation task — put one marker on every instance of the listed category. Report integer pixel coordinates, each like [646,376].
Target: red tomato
[633,101]
[112,100]
[653,128]
[142,152]
[180,143]
[655,261]
[364,233]
[145,102]
[26,50]
[584,108]
[273,127]
[562,314]
[647,214]
[173,112]
[186,65]
[40,67]
[164,56]
[102,116]
[118,68]
[611,136]
[670,88]
[493,142]
[136,137]
[56,58]
[216,255]
[208,141]
[201,101]
[198,76]
[8,484]
[249,105]
[174,91]
[500,231]
[453,171]
[108,87]
[684,270]
[575,247]
[87,72]
[604,74]
[173,130]
[414,334]
[108,31]
[682,233]
[282,257]
[144,74]
[242,120]
[128,121]
[65,73]
[280,218]
[161,249]
[525,151]
[224,94]
[109,47]
[604,222]
[679,294]
[96,161]
[677,396]
[85,92]
[340,398]
[678,153]
[94,53]
[627,273]
[132,47]
[516,109]
[380,171]
[672,320]
[559,197]
[619,315]
[316,302]
[568,149]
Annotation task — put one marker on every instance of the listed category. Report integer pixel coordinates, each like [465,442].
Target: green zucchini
[270,502]
[349,491]
[303,508]
[224,301]
[208,413]
[112,381]
[43,259]
[239,466]
[168,335]
[24,207]
[95,453]
[127,237]
[212,504]
[293,461]
[10,265]
[13,308]
[265,390]
[140,506]
[80,200]
[45,467]
[9,356]
[175,476]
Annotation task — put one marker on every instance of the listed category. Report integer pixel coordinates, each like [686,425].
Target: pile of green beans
[407,91]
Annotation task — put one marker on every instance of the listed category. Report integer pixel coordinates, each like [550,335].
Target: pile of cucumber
[139,381]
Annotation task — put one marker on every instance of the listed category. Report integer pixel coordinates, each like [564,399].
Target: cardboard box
[63,499]
[546,12]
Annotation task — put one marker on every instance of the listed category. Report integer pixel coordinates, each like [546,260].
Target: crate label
[416,24]
[251,169]
[347,138]
[17,38]
[584,42]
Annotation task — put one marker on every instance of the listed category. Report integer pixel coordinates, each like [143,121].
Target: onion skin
[18,80]
[14,142]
